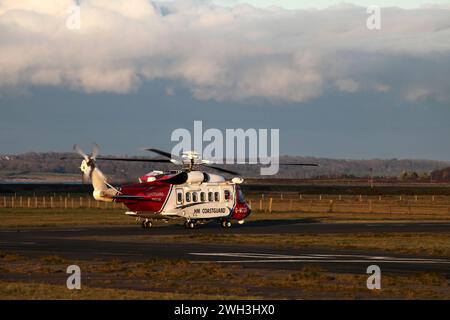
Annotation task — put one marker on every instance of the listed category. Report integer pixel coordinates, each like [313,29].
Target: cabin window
[194,197]
[227,195]
[216,196]
[179,197]
[210,196]
[188,197]
[202,196]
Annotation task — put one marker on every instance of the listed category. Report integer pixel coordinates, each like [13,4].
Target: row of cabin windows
[194,196]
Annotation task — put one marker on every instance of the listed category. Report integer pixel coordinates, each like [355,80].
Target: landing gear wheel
[189,224]
[146,224]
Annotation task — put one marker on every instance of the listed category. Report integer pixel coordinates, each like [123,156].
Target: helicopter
[189,194]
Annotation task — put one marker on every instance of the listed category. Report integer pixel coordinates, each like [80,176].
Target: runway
[77,243]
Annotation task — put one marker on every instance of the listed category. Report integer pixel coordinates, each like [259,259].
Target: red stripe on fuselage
[155,194]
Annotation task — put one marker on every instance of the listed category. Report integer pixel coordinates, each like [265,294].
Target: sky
[321,4]
[136,70]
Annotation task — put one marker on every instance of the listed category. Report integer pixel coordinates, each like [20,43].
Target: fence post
[81,202]
[260,204]
[51,202]
[12,202]
[29,202]
[43,202]
[331,205]
[270,205]
[20,202]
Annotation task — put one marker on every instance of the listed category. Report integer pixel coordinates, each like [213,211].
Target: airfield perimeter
[299,257]
[312,247]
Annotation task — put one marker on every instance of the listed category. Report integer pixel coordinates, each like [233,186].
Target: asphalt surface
[77,243]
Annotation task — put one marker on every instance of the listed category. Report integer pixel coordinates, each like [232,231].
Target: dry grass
[11,218]
[14,218]
[41,291]
[179,279]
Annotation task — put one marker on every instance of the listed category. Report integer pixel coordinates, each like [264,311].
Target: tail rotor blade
[78,150]
[95,151]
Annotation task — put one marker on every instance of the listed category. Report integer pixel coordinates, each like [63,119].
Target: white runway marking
[41,230]
[18,243]
[242,257]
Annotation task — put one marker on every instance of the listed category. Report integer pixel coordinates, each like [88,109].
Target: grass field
[45,278]
[40,217]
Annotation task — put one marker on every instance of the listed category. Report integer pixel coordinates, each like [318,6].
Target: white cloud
[220,53]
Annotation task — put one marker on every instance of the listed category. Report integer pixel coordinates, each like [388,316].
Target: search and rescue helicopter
[194,196]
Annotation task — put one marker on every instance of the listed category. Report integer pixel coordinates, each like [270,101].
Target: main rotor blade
[221,169]
[300,164]
[134,159]
[160,152]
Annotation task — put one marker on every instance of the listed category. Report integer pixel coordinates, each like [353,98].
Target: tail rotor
[89,161]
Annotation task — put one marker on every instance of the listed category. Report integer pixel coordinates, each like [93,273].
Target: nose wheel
[226,224]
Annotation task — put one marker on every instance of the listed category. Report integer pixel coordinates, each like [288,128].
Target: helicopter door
[179,196]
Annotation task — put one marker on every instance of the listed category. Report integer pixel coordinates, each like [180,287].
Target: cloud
[233,53]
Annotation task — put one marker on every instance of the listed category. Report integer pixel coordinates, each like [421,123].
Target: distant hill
[48,166]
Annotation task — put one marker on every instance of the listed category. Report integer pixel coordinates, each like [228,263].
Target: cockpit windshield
[240,196]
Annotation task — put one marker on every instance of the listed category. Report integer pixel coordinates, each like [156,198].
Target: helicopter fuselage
[198,201]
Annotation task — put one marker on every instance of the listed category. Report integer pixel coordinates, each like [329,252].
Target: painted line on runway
[267,258]
[316,261]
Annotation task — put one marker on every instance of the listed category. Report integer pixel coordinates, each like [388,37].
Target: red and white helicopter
[194,196]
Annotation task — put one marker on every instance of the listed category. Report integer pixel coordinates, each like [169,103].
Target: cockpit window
[202,197]
[227,195]
[188,197]
[194,197]
[240,195]
[210,197]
